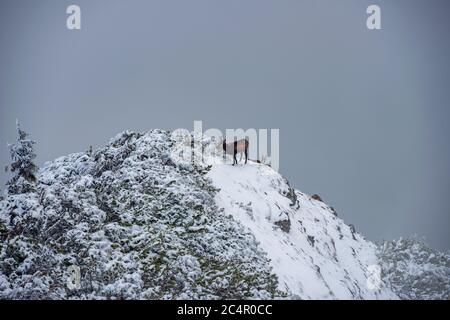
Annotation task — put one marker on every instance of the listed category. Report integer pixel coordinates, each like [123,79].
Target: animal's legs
[246,156]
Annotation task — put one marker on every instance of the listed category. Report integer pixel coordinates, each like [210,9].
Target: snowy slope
[140,224]
[319,257]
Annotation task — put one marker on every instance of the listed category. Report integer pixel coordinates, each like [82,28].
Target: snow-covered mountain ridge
[313,252]
[139,224]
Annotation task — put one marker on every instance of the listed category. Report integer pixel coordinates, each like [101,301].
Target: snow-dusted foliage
[139,220]
[135,223]
[22,155]
[414,270]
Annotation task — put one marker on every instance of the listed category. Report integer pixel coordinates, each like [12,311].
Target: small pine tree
[23,167]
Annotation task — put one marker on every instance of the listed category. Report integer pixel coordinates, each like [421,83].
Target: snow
[334,267]
[414,270]
[141,224]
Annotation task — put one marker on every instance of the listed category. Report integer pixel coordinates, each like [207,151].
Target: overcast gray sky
[363,115]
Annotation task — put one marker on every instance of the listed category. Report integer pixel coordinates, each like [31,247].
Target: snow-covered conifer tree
[23,167]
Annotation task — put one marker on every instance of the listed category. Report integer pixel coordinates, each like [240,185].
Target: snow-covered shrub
[414,270]
[137,225]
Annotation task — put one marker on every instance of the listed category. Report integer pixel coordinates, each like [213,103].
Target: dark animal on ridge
[235,147]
